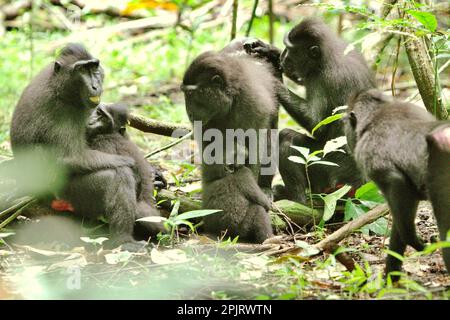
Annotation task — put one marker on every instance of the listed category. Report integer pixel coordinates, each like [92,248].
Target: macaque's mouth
[95,99]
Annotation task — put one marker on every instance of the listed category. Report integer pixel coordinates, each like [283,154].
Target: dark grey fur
[106,132]
[235,191]
[231,92]
[242,48]
[51,116]
[315,57]
[389,142]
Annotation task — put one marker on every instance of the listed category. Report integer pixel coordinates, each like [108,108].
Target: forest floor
[50,262]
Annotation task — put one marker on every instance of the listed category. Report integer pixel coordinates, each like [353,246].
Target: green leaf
[370,192]
[331,200]
[335,145]
[313,158]
[379,227]
[435,246]
[195,214]
[297,159]
[325,163]
[176,207]
[369,204]
[314,153]
[395,255]
[302,150]
[287,296]
[350,210]
[327,120]
[161,201]
[427,19]
[154,219]
[186,222]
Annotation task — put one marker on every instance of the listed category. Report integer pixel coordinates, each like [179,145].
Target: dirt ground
[198,268]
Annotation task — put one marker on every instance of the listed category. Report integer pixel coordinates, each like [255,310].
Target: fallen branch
[238,247]
[300,214]
[330,243]
[186,203]
[157,127]
[342,233]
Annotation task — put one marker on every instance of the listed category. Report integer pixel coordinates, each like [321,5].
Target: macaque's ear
[217,80]
[57,67]
[352,119]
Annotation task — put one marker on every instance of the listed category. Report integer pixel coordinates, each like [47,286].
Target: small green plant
[309,159]
[367,197]
[175,219]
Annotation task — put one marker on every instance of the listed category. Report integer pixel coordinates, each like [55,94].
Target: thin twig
[234,21]
[170,145]
[369,217]
[271,31]
[250,23]
[394,72]
[16,214]
[15,207]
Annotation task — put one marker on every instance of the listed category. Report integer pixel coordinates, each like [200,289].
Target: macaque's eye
[314,51]
[217,81]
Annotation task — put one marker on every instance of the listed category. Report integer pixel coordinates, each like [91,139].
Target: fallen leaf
[168,256]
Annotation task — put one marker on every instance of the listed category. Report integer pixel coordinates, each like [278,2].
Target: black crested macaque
[224,91]
[231,92]
[241,48]
[406,152]
[233,189]
[330,71]
[106,132]
[51,116]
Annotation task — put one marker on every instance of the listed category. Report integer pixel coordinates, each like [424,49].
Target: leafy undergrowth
[196,267]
